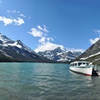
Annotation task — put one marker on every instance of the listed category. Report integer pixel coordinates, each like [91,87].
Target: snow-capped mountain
[92,54]
[60,54]
[16,51]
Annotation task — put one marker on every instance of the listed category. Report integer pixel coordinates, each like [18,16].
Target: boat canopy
[80,63]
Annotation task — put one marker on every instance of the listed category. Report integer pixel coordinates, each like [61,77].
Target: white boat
[83,67]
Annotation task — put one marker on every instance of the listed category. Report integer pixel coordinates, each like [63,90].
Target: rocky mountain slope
[16,51]
[92,54]
[60,54]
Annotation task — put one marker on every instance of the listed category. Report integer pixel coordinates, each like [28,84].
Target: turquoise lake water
[41,81]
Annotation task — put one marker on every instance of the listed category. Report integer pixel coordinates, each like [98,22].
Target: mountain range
[16,51]
[60,54]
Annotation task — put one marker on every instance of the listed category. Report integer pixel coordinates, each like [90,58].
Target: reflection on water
[40,81]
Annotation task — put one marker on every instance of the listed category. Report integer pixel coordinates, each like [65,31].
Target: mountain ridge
[60,54]
[92,54]
[16,51]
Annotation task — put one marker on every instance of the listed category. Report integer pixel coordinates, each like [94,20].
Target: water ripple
[37,81]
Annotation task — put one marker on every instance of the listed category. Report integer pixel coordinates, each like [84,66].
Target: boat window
[79,64]
[75,64]
[86,64]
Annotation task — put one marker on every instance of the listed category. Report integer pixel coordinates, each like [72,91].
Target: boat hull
[85,71]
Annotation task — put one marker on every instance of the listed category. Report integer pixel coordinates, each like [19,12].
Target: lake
[44,81]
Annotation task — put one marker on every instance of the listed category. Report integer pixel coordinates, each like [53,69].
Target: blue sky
[51,23]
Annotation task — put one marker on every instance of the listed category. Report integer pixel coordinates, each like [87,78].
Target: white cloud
[13,11]
[45,42]
[41,32]
[52,46]
[47,46]
[44,28]
[75,50]
[92,41]
[97,31]
[16,12]
[50,39]
[39,27]
[42,40]
[35,32]
[18,21]
[7,21]
[22,15]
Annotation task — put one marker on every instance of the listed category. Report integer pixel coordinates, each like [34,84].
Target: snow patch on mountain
[90,56]
[5,42]
[60,54]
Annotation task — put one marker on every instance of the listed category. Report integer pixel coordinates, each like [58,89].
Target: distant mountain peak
[19,42]
[47,46]
[60,54]
[5,39]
